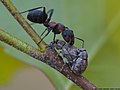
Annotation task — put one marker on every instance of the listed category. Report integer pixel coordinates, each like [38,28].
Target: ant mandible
[43,17]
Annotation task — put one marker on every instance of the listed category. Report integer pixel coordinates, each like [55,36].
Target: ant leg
[44,36]
[80,40]
[33,9]
[50,12]
[54,37]
[54,30]
[53,42]
[43,31]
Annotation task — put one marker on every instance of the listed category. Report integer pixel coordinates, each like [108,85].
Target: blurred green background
[96,21]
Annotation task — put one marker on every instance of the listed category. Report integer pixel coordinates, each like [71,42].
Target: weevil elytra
[76,58]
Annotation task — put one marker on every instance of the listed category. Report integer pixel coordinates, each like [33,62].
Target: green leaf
[8,66]
[96,21]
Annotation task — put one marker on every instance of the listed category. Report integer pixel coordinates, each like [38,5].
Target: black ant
[43,17]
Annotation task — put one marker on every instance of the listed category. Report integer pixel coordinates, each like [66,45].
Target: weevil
[75,58]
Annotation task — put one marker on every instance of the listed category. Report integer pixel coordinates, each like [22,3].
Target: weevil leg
[66,62]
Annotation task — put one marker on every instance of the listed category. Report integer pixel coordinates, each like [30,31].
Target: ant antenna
[80,40]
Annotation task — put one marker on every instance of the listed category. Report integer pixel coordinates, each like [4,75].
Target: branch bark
[49,57]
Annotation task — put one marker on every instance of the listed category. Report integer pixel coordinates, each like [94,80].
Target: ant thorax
[52,24]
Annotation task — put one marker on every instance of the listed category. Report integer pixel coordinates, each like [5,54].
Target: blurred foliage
[96,21]
[8,66]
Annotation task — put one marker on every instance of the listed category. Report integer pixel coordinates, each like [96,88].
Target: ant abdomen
[37,16]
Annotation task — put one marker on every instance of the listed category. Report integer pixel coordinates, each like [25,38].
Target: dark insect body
[42,17]
[76,58]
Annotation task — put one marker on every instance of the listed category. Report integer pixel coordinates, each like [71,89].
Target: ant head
[68,36]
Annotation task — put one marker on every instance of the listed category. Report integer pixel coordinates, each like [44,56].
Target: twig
[20,45]
[15,13]
[50,57]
